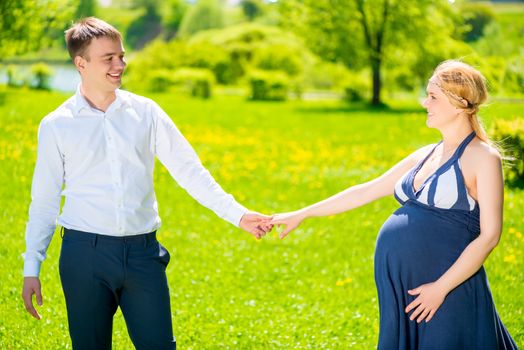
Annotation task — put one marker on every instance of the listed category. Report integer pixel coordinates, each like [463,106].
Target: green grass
[228,290]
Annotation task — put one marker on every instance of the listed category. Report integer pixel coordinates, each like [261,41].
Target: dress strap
[463,145]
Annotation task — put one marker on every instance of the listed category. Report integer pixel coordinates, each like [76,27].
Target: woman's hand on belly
[430,297]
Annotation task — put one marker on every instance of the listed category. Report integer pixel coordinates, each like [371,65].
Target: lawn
[313,290]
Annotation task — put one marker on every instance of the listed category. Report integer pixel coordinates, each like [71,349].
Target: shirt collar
[80,101]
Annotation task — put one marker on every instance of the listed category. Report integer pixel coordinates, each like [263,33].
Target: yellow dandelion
[512,230]
[510,258]
[344,281]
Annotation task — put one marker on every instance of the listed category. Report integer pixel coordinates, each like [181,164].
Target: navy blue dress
[416,245]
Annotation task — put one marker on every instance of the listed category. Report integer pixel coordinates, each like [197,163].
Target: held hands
[290,220]
[255,223]
[430,297]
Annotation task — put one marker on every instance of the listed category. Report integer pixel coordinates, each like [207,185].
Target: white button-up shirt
[102,163]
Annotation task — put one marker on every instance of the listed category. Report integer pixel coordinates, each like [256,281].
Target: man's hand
[32,286]
[255,223]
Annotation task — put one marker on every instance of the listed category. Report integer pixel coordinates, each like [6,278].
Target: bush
[477,17]
[356,88]
[11,75]
[196,80]
[326,76]
[269,85]
[205,14]
[510,133]
[278,57]
[159,80]
[258,46]
[41,75]
[229,53]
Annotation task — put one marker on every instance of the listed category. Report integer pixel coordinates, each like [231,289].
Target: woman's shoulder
[481,154]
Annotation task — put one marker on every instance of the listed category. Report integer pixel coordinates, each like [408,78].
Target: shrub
[205,14]
[268,85]
[326,76]
[196,80]
[477,17]
[11,75]
[159,80]
[356,88]
[510,133]
[41,75]
[278,57]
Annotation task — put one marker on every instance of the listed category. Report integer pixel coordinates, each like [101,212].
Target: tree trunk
[377,84]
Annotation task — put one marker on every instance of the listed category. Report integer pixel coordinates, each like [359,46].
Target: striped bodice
[444,189]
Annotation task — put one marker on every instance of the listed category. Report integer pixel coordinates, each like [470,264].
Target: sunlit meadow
[313,290]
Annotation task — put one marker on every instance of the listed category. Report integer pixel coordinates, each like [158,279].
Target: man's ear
[79,62]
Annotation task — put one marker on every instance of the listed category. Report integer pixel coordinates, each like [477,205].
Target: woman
[432,288]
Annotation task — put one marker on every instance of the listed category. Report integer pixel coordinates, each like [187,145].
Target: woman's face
[440,110]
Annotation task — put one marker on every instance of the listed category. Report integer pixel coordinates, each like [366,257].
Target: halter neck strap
[463,145]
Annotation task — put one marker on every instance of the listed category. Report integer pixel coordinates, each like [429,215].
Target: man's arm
[47,184]
[177,155]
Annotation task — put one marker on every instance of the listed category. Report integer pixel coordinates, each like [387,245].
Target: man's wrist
[32,268]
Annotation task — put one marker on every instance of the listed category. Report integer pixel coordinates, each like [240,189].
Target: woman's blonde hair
[465,88]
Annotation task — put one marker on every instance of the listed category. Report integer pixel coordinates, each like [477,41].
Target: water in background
[64,78]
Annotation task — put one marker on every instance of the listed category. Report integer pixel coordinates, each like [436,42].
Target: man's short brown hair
[79,36]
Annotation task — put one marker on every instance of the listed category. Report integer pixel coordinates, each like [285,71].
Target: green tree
[206,14]
[86,8]
[27,25]
[146,27]
[251,8]
[172,15]
[477,17]
[372,33]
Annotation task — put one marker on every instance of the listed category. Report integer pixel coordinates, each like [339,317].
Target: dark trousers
[100,273]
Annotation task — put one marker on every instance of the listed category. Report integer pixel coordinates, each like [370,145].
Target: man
[97,149]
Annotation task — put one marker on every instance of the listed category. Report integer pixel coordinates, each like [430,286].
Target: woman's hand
[291,220]
[430,297]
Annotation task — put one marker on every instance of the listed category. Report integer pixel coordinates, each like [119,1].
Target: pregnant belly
[418,235]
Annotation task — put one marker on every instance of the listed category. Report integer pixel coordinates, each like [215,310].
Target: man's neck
[98,99]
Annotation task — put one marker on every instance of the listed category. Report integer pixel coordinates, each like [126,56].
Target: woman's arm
[351,197]
[490,188]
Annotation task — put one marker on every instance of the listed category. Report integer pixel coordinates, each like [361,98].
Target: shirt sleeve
[177,155]
[47,184]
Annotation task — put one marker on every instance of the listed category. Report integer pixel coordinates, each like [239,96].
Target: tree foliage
[206,14]
[373,34]
[27,25]
[252,8]
[86,8]
[477,17]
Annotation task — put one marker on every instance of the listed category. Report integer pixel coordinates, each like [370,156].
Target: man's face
[103,64]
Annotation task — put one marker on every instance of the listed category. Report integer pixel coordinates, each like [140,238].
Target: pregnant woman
[432,288]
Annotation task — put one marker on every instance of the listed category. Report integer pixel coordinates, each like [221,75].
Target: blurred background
[286,102]
[268,49]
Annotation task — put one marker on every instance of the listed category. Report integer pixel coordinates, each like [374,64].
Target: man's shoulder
[135,100]
[64,111]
